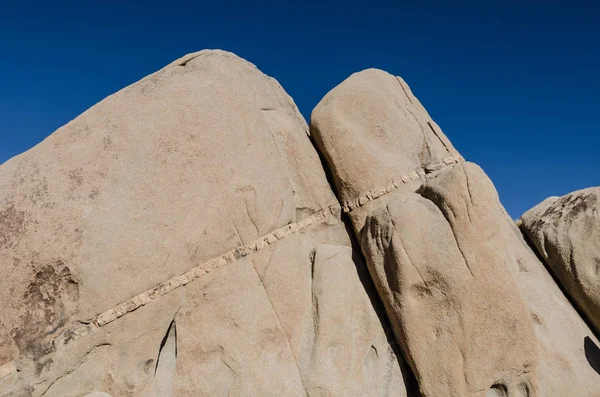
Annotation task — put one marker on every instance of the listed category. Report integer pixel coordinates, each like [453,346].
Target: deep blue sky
[514,84]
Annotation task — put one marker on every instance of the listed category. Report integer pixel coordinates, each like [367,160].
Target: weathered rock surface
[180,238]
[566,232]
[451,268]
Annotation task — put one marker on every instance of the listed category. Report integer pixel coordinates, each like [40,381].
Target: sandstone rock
[451,268]
[566,233]
[180,238]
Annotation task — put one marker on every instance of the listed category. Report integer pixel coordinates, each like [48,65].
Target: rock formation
[566,232]
[431,243]
[451,267]
[185,218]
[181,238]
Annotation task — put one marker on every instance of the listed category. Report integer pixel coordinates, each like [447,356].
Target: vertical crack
[164,372]
[171,337]
[438,137]
[403,89]
[287,339]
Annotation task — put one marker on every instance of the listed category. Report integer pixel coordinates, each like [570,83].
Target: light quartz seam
[110,315]
[213,264]
[364,198]
[166,287]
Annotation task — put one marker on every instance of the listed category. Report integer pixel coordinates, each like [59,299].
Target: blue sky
[514,84]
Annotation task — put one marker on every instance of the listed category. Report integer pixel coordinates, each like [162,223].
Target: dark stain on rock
[76,178]
[551,208]
[47,303]
[583,203]
[39,192]
[68,336]
[43,366]
[12,226]
[29,175]
[107,142]
[148,366]
[565,208]
[537,319]
[94,193]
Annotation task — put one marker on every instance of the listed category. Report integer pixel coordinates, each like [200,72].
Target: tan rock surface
[344,318]
[452,296]
[170,241]
[451,268]
[180,238]
[359,138]
[566,232]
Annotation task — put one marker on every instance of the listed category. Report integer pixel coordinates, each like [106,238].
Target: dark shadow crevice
[171,332]
[592,353]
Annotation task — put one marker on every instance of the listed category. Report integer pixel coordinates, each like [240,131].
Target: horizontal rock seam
[421,173]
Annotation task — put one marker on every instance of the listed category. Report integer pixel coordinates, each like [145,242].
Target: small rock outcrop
[566,233]
[182,238]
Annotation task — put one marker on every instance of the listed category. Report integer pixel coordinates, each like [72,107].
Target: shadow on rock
[592,353]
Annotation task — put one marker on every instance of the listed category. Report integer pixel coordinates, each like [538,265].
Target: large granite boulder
[180,238]
[475,312]
[566,233]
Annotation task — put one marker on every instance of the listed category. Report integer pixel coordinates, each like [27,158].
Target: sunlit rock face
[182,238]
[431,242]
[451,268]
[566,233]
